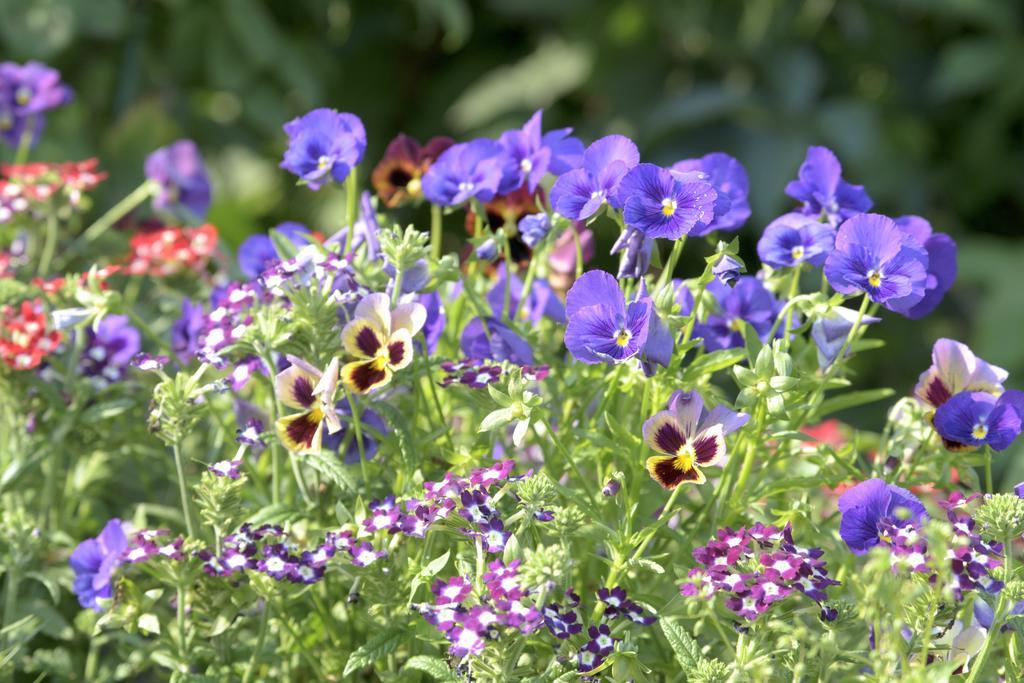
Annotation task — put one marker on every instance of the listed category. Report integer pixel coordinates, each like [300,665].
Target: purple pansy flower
[533,228]
[257,252]
[729,178]
[955,369]
[636,249]
[27,91]
[872,255]
[110,350]
[434,326]
[727,270]
[324,145]
[602,328]
[660,203]
[795,238]
[94,561]
[823,191]
[491,339]
[187,330]
[973,419]
[870,508]
[468,170]
[535,154]
[180,174]
[750,301]
[541,301]
[941,264]
[371,425]
[829,332]
[579,193]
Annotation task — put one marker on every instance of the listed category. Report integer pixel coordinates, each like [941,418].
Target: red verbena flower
[170,250]
[24,339]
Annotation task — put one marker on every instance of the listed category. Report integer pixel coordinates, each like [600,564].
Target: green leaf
[149,623]
[435,667]
[623,435]
[713,362]
[852,399]
[435,565]
[685,648]
[331,467]
[375,648]
[496,419]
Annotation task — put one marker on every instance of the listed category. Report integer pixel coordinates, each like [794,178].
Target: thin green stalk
[183,491]
[794,289]
[432,390]
[11,581]
[531,274]
[182,643]
[988,470]
[688,333]
[25,141]
[118,211]
[351,194]
[670,265]
[579,252]
[748,456]
[357,428]
[49,245]
[260,639]
[506,309]
[436,231]
[396,291]
[572,463]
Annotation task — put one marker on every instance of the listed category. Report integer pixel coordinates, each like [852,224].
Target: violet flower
[748,301]
[602,328]
[870,507]
[468,170]
[534,154]
[942,265]
[795,238]
[824,193]
[579,193]
[110,350]
[257,252]
[324,145]
[94,562]
[659,203]
[27,91]
[873,255]
[729,179]
[181,177]
[972,419]
[830,331]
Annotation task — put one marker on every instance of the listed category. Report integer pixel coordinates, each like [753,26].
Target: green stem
[25,141]
[701,288]
[531,274]
[506,309]
[182,642]
[183,490]
[11,596]
[432,390]
[988,470]
[579,252]
[49,245]
[794,289]
[568,458]
[260,639]
[351,194]
[670,265]
[396,292]
[118,211]
[436,231]
[748,456]
[357,428]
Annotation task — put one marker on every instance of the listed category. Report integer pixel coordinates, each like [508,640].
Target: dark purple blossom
[973,419]
[533,228]
[636,248]
[729,179]
[661,204]
[871,504]
[27,91]
[110,350]
[187,330]
[492,339]
[468,170]
[602,328]
[257,252]
[727,269]
[873,255]
[534,153]
[323,145]
[824,193]
[227,468]
[748,301]
[372,428]
[180,175]
[942,264]
[579,193]
[94,562]
[795,238]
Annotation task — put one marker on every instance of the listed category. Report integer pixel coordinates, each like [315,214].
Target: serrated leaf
[435,667]
[852,399]
[375,648]
[331,467]
[685,647]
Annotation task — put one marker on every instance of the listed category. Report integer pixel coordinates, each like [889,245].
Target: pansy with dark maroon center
[305,388]
[397,178]
[686,441]
[955,369]
[380,341]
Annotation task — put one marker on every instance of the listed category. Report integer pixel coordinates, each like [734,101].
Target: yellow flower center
[874,277]
[22,96]
[380,359]
[623,337]
[736,324]
[685,458]
[324,163]
[884,537]
[979,432]
[414,187]
[797,252]
[668,207]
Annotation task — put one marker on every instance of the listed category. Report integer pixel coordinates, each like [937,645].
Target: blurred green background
[923,101]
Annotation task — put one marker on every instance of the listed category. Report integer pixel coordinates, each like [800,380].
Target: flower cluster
[468,621]
[21,186]
[477,374]
[757,567]
[171,250]
[24,338]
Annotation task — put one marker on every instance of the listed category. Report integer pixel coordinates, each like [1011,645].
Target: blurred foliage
[922,100]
